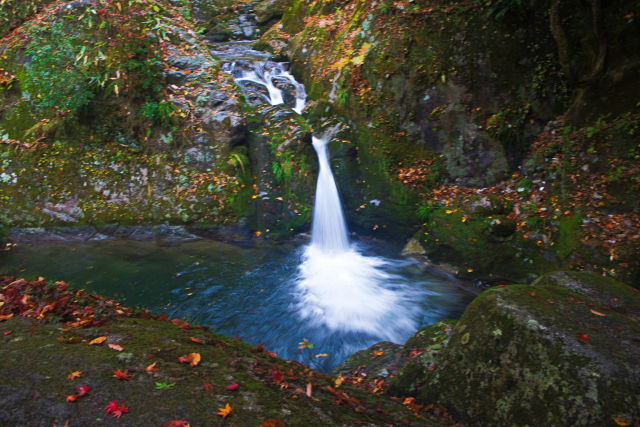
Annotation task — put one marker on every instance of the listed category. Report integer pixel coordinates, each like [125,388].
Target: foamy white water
[265,74]
[339,288]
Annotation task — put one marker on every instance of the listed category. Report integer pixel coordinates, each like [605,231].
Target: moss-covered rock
[553,353]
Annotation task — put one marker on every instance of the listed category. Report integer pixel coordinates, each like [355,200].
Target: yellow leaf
[225,411]
[621,421]
[98,340]
[339,381]
[73,375]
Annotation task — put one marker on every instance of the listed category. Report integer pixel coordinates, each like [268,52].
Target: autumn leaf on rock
[225,411]
[192,359]
[73,375]
[116,409]
[116,347]
[583,338]
[119,374]
[273,422]
[98,340]
[82,390]
[277,376]
[176,423]
[621,421]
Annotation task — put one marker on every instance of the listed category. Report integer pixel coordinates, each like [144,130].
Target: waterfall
[329,231]
[337,288]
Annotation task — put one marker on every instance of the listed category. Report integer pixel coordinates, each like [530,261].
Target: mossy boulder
[564,351]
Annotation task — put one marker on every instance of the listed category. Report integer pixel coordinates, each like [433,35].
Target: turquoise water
[248,292]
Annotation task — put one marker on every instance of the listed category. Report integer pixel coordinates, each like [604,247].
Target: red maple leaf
[583,338]
[112,406]
[82,390]
[232,386]
[116,409]
[119,374]
[121,410]
[277,376]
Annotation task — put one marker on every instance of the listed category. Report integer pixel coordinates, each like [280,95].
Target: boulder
[564,351]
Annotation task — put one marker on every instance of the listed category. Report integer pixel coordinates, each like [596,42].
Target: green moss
[515,351]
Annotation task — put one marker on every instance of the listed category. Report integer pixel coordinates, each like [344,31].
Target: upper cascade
[272,77]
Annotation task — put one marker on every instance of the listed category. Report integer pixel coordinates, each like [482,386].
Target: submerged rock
[564,351]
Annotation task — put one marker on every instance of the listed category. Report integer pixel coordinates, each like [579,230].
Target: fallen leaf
[621,421]
[119,374]
[116,409]
[192,359]
[151,368]
[208,387]
[116,347]
[73,375]
[225,411]
[176,423]
[196,340]
[309,387]
[597,313]
[98,340]
[72,398]
[4,317]
[82,390]
[273,422]
[232,386]
[583,338]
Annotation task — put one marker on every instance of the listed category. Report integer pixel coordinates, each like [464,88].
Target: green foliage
[162,113]
[85,59]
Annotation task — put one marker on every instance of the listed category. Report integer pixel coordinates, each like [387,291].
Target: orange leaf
[225,411]
[151,368]
[73,375]
[72,398]
[621,421]
[98,340]
[195,359]
[4,317]
[597,313]
[116,347]
[121,375]
[273,422]
[196,340]
[192,359]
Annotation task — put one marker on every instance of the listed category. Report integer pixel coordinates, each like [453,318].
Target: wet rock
[378,361]
[550,354]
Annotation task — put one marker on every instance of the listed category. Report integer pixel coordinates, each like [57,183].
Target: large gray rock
[565,351]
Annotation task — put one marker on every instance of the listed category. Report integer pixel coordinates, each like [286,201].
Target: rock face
[563,351]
